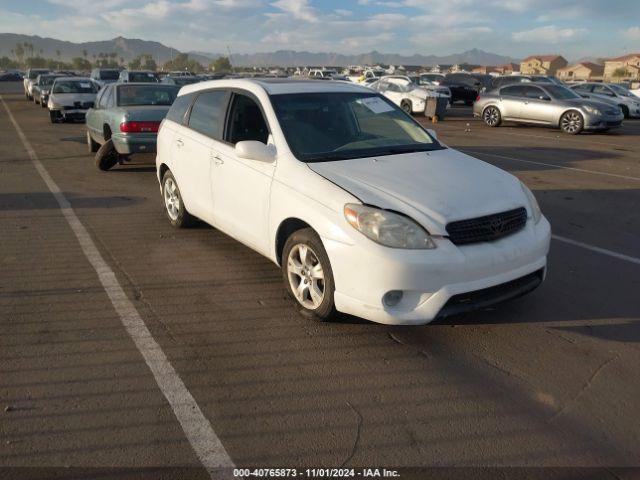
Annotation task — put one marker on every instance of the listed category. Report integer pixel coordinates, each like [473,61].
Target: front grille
[465,302]
[487,228]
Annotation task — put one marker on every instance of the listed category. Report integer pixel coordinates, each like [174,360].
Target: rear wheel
[571,122]
[492,117]
[92,145]
[307,274]
[174,207]
[107,156]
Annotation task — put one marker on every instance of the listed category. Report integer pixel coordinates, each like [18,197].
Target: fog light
[392,298]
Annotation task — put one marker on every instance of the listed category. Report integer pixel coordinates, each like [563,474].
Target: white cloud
[632,33]
[298,9]
[549,34]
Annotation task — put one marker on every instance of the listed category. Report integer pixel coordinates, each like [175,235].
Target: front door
[241,187]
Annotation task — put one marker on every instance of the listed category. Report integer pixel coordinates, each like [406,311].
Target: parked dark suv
[465,87]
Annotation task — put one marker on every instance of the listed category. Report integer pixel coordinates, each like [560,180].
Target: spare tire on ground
[107,156]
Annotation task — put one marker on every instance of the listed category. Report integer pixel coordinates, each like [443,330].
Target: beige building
[581,71]
[508,68]
[630,63]
[484,69]
[542,64]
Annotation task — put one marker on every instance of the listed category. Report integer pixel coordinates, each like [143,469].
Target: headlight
[592,110]
[387,228]
[533,203]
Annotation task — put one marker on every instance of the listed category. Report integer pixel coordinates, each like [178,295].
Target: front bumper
[127,144]
[67,113]
[431,280]
[599,122]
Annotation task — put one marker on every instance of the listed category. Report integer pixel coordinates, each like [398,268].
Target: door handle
[179,143]
[216,159]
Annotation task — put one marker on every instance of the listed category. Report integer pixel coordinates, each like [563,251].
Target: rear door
[241,187]
[194,150]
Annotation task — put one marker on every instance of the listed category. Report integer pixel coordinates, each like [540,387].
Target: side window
[179,108]
[108,97]
[534,92]
[602,90]
[207,113]
[513,91]
[246,121]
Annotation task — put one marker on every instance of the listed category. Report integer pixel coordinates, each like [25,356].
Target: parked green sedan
[125,120]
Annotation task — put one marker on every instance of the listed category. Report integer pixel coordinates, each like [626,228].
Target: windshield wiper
[328,157]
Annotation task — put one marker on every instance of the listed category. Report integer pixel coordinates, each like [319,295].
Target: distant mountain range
[128,48]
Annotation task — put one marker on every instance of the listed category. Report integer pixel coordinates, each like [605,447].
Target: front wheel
[307,274]
[492,117]
[625,111]
[174,207]
[571,122]
[54,116]
[406,106]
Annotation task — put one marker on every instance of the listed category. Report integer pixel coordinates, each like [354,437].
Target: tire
[491,116]
[302,253]
[43,104]
[107,156]
[625,110]
[174,207]
[35,101]
[92,145]
[53,116]
[406,106]
[571,122]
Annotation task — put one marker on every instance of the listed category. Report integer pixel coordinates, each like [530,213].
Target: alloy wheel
[491,116]
[171,199]
[571,122]
[306,276]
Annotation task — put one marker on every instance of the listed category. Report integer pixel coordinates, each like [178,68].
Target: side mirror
[254,150]
[432,133]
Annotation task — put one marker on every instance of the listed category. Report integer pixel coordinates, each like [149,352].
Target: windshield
[142,77]
[46,81]
[339,126]
[129,95]
[109,74]
[74,86]
[620,90]
[561,93]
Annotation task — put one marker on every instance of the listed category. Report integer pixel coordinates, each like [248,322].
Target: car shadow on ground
[45,201]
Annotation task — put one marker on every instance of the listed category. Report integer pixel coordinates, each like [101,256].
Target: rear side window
[513,91]
[207,113]
[179,108]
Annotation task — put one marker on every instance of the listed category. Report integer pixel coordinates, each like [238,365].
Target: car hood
[434,188]
[71,98]
[589,102]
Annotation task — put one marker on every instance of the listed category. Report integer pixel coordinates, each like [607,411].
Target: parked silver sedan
[610,93]
[546,104]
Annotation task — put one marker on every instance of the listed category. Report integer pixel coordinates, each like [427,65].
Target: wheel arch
[162,169]
[286,228]
[567,110]
[106,132]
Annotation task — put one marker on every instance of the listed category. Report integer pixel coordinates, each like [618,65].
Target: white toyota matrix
[365,212]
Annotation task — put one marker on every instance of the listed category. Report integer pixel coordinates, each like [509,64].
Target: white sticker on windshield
[85,85]
[375,104]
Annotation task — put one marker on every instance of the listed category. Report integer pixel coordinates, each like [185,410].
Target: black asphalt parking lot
[548,380]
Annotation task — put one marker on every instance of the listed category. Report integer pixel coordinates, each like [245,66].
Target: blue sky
[574,28]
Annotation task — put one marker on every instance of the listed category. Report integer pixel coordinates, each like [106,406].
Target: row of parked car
[122,116]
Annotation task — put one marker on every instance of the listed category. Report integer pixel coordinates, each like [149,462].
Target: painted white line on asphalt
[603,251]
[594,172]
[198,430]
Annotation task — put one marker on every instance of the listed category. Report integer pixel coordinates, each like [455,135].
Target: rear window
[109,74]
[142,77]
[179,108]
[131,95]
